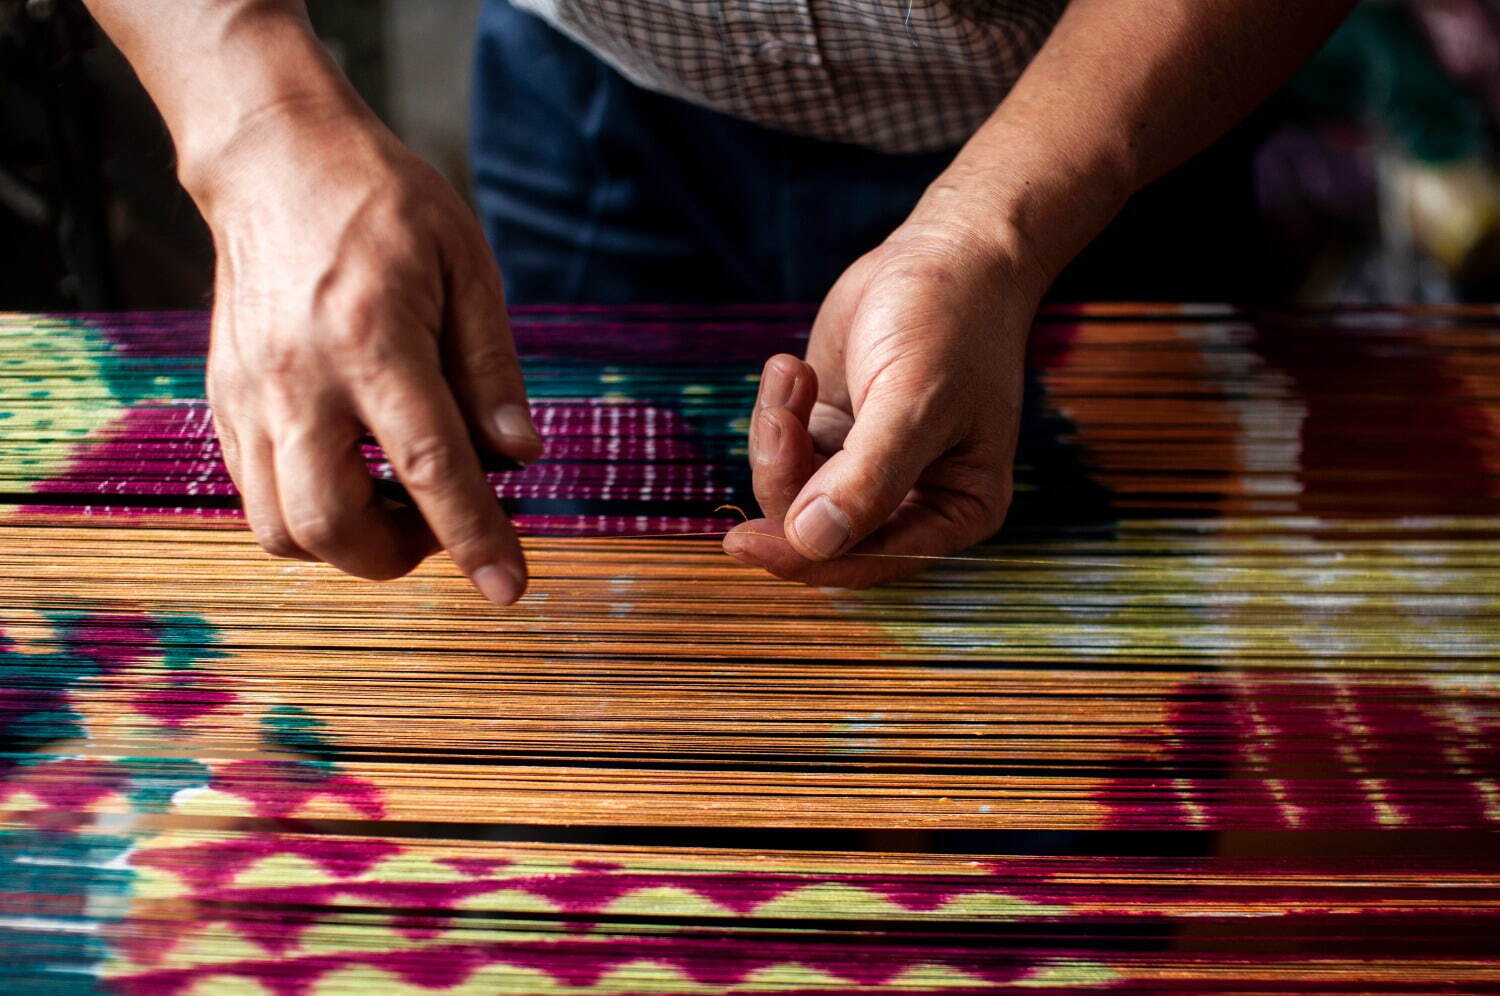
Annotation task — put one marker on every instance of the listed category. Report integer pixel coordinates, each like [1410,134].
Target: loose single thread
[956,558]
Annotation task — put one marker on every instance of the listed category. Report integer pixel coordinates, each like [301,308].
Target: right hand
[354,291]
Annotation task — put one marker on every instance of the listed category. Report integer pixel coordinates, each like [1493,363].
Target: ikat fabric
[1218,710]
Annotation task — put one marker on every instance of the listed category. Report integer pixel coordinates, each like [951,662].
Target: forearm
[214,67]
[1123,91]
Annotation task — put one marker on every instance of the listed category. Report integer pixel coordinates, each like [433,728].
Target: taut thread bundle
[1218,711]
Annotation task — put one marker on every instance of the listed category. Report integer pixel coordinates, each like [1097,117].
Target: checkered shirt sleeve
[893,75]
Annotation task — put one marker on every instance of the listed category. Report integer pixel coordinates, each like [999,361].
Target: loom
[1218,710]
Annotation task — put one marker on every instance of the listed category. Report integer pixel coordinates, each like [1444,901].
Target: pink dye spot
[277,789]
[276,932]
[146,947]
[923,894]
[73,783]
[1314,745]
[190,696]
[17,705]
[213,865]
[475,867]
[115,641]
[419,928]
[457,965]
[741,893]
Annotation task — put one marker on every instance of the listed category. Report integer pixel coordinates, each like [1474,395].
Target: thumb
[479,360]
[857,490]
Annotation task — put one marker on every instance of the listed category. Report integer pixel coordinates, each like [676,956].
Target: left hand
[897,434]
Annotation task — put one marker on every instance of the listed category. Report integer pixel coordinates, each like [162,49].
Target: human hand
[354,291]
[894,440]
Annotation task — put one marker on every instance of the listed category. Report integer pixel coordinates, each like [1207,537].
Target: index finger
[781,451]
[410,410]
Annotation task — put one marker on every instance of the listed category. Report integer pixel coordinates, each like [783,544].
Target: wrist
[299,139]
[269,76]
[1028,198]
[962,222]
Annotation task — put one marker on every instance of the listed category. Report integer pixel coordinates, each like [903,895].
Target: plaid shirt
[894,75]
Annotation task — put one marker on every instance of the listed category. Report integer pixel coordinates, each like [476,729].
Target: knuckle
[490,365]
[473,270]
[773,496]
[399,208]
[975,512]
[353,307]
[277,542]
[279,357]
[473,539]
[980,512]
[876,488]
[472,549]
[430,463]
[316,532]
[350,327]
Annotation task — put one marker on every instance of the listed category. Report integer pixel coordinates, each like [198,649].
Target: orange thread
[952,557]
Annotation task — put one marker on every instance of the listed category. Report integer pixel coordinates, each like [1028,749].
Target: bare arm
[353,292]
[215,66]
[1123,91]
[897,434]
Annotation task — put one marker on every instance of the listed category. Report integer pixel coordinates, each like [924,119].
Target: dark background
[1371,177]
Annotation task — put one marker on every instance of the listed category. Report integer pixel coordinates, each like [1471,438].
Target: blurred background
[1373,176]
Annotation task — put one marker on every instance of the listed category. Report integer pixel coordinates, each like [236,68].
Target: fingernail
[500,583]
[513,422]
[822,528]
[770,439]
[776,390]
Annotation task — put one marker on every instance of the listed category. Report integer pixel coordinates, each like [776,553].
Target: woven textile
[1219,711]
